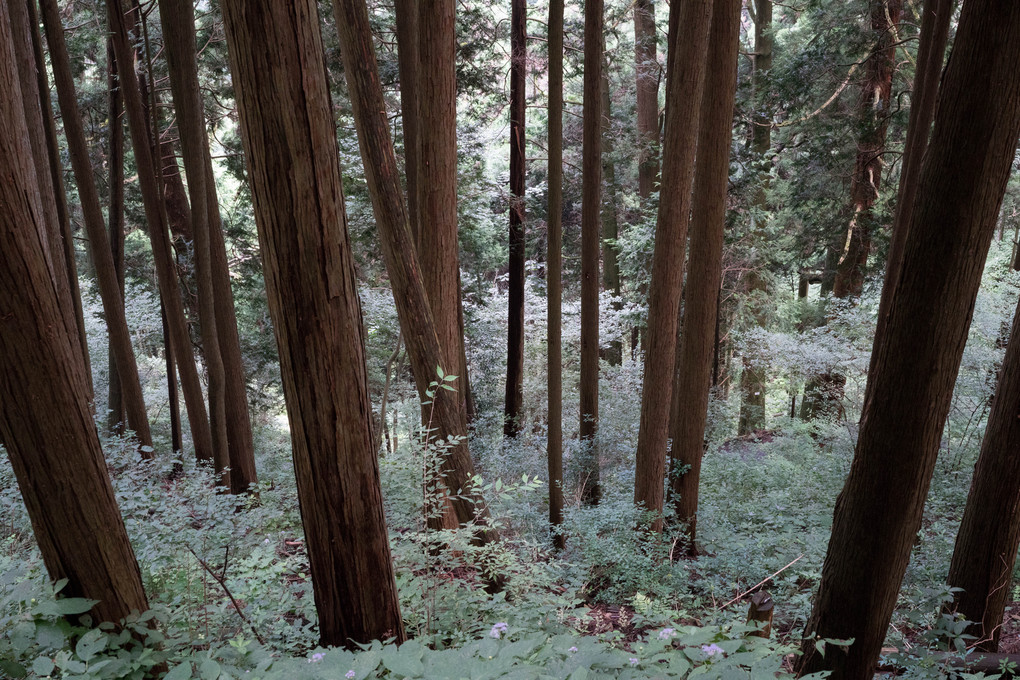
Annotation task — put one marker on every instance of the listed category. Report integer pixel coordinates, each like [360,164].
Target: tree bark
[99,244]
[166,272]
[610,224]
[515,317]
[554,271]
[688,45]
[646,69]
[989,534]
[406,13]
[46,421]
[290,144]
[416,321]
[918,346]
[115,217]
[708,219]
[591,199]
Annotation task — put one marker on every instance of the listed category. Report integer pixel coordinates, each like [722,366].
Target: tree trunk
[115,217]
[416,321]
[986,545]
[437,176]
[688,45]
[515,317]
[591,199]
[178,22]
[919,345]
[610,226]
[873,112]
[166,272]
[708,219]
[554,271]
[46,421]
[173,399]
[406,13]
[646,69]
[756,284]
[99,244]
[289,137]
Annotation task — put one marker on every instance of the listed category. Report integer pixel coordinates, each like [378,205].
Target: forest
[535,339]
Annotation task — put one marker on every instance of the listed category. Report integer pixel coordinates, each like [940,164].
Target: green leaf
[49,635]
[90,644]
[69,606]
[406,660]
[439,372]
[181,671]
[15,670]
[449,378]
[209,669]
[43,666]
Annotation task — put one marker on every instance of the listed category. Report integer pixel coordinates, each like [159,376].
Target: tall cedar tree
[918,346]
[646,69]
[986,545]
[753,377]
[166,271]
[515,317]
[554,269]
[115,219]
[416,321]
[92,216]
[437,202]
[708,217]
[289,137]
[610,224]
[60,247]
[46,419]
[228,399]
[406,14]
[687,50]
[591,197]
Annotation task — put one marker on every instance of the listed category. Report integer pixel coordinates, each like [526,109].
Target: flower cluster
[498,630]
[712,649]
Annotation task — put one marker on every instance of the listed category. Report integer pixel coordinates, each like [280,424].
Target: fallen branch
[219,579]
[761,583]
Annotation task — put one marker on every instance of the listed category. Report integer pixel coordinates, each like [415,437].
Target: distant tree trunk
[99,243]
[931,52]
[290,144]
[708,219]
[166,272]
[554,270]
[173,398]
[178,23]
[873,112]
[416,322]
[115,218]
[918,346]
[437,176]
[46,421]
[753,378]
[688,45]
[610,228]
[646,69]
[406,12]
[591,199]
[62,269]
[515,322]
[989,534]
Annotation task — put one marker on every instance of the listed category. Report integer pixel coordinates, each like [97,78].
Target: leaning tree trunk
[46,421]
[99,244]
[166,273]
[986,545]
[554,270]
[708,218]
[646,69]
[293,161]
[515,318]
[684,88]
[407,16]
[918,346]
[416,321]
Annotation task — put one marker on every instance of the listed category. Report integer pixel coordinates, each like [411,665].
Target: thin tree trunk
[873,112]
[178,23]
[646,69]
[688,45]
[708,219]
[99,244]
[515,317]
[919,345]
[610,228]
[554,271]
[986,545]
[115,217]
[173,399]
[591,195]
[46,421]
[416,321]
[166,272]
[406,12]
[289,136]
